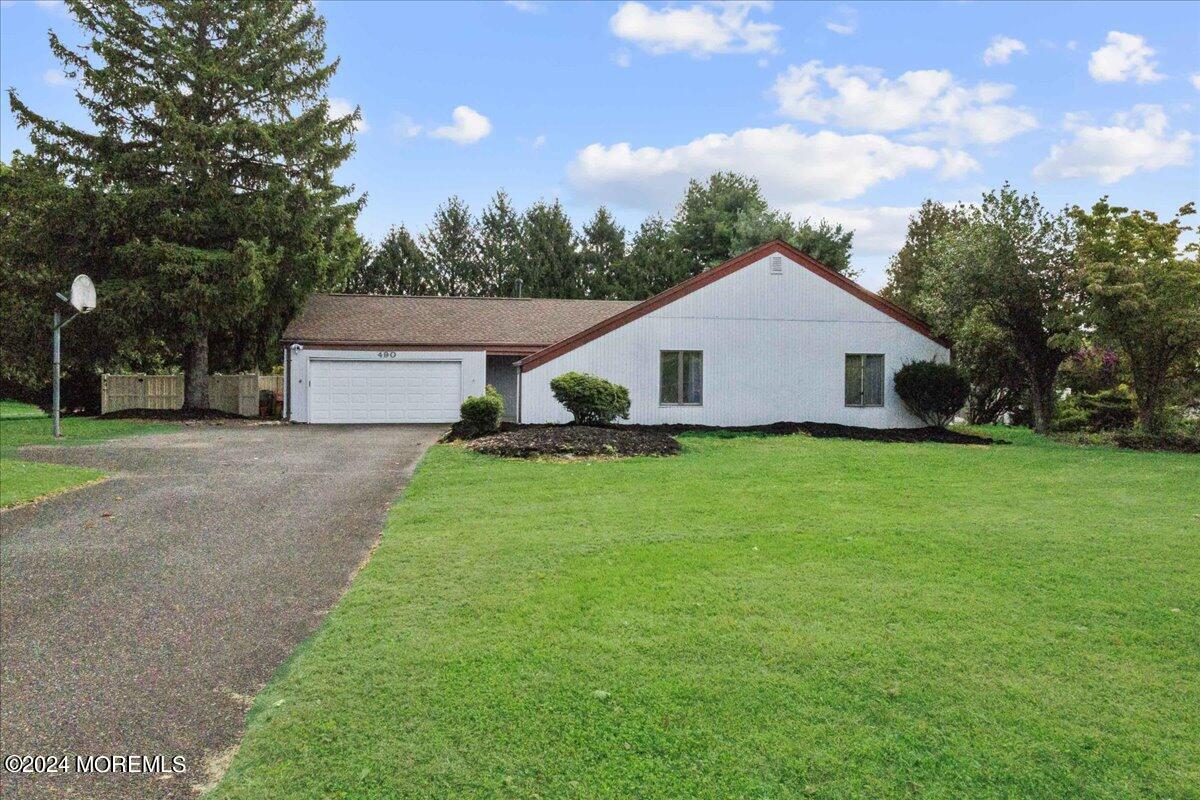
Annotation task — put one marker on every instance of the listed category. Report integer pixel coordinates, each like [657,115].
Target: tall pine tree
[209,164]
[654,263]
[602,253]
[551,264]
[706,222]
[451,245]
[499,247]
[396,266]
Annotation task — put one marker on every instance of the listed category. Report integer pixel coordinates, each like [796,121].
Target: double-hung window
[681,377]
[864,379]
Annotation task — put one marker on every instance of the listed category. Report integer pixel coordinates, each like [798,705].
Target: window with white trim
[681,377]
[864,380]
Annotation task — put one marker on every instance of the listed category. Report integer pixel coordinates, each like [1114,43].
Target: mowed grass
[759,618]
[22,424]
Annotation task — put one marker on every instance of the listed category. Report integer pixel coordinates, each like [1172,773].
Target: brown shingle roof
[376,320]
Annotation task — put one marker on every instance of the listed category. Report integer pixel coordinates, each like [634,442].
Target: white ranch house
[769,336]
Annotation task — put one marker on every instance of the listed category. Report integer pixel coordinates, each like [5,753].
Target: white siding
[473,371]
[774,350]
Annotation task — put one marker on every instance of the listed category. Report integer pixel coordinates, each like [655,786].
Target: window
[681,375]
[864,380]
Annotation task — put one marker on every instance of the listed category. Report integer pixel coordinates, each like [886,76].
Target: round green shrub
[932,390]
[592,400]
[481,415]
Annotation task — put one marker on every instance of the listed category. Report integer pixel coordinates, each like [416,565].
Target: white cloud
[469,126]
[340,107]
[700,30]
[405,128]
[791,166]
[957,164]
[55,77]
[878,230]
[622,59]
[929,102]
[1124,57]
[1002,49]
[1138,140]
[526,6]
[54,6]
[1195,80]
[844,21]
[539,141]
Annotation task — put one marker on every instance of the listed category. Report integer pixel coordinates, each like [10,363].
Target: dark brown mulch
[829,430]
[171,414]
[576,441]
[1168,442]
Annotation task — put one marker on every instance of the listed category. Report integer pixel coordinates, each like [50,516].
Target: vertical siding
[502,374]
[774,349]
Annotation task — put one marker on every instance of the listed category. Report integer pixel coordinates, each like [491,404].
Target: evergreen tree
[499,247]
[825,241]
[550,267]
[603,251]
[654,262]
[706,222]
[451,245]
[396,267]
[208,167]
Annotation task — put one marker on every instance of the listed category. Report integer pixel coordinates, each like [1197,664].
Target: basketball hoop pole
[58,326]
[83,300]
[57,371]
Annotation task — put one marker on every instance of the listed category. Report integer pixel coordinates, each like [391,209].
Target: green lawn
[759,618]
[21,424]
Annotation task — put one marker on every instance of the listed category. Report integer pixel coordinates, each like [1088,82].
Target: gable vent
[776,265]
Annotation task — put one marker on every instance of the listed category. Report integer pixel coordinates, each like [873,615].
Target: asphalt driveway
[141,615]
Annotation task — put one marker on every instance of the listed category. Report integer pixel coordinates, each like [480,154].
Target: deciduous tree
[1143,293]
[1009,263]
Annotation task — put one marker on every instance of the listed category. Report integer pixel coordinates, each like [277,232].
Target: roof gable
[716,273]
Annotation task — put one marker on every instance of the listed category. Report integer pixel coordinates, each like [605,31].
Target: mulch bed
[530,441]
[173,414]
[575,441]
[829,430]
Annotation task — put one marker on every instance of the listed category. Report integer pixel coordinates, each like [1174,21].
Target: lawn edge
[41,498]
[215,766]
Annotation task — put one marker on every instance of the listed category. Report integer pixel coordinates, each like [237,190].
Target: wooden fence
[237,394]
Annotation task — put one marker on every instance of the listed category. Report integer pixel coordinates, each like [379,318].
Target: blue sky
[853,111]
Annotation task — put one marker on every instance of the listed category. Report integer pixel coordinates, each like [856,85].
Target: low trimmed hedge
[932,390]
[591,400]
[481,414]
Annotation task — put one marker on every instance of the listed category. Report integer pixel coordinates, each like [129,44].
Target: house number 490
[386,354]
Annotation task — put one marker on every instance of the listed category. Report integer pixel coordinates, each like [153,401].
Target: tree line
[540,253]
[1030,297]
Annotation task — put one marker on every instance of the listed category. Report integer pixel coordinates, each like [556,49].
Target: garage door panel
[384,391]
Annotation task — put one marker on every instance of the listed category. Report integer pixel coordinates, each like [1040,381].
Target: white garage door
[384,391]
